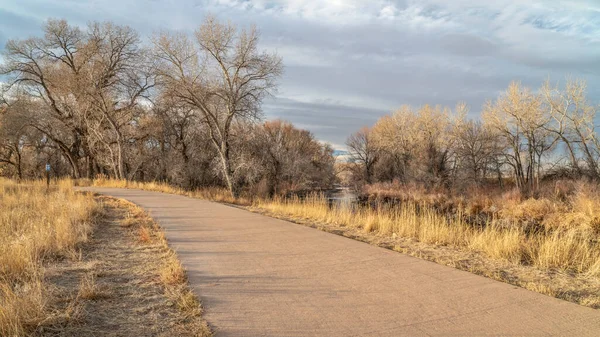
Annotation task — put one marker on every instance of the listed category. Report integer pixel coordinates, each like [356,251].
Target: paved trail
[259,276]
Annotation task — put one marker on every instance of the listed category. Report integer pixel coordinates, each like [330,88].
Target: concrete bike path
[260,276]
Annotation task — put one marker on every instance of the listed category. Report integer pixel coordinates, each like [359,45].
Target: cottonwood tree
[37,66]
[22,149]
[88,82]
[13,137]
[419,140]
[223,75]
[291,158]
[363,152]
[119,77]
[573,123]
[186,152]
[518,117]
[476,146]
[434,143]
[393,137]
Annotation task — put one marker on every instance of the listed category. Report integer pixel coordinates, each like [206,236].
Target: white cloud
[388,12]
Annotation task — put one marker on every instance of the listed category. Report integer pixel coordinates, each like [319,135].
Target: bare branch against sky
[350,62]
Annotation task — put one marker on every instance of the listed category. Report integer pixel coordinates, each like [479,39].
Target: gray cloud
[331,121]
[350,62]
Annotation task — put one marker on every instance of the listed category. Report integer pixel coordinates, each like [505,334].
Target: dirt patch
[567,286]
[116,286]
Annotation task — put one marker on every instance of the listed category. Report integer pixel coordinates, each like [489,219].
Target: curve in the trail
[260,276]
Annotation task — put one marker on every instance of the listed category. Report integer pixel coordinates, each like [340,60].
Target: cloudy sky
[349,62]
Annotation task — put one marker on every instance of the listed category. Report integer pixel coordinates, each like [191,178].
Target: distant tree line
[522,137]
[183,110]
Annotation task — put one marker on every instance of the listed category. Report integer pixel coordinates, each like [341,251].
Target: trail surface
[260,276]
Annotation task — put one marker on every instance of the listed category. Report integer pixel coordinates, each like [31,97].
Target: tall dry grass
[36,225]
[574,249]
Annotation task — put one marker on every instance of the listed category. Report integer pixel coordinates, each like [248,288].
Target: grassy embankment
[560,256]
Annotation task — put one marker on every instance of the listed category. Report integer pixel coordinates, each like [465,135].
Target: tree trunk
[19,166]
[120,160]
[574,162]
[73,162]
[227,171]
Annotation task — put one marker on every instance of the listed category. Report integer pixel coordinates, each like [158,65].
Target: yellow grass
[217,194]
[36,225]
[89,289]
[571,250]
[172,274]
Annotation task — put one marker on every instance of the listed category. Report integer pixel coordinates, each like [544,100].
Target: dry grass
[36,226]
[90,290]
[53,274]
[187,302]
[171,273]
[144,234]
[571,250]
[22,310]
[217,194]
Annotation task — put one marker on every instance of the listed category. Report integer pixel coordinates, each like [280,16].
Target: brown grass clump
[22,310]
[144,234]
[528,210]
[187,302]
[90,290]
[172,272]
[584,211]
[36,225]
[570,250]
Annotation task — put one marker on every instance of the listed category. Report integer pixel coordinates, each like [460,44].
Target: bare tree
[89,82]
[434,143]
[38,66]
[363,152]
[291,158]
[13,137]
[224,76]
[520,120]
[420,140]
[393,137]
[573,122]
[122,77]
[476,146]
